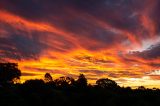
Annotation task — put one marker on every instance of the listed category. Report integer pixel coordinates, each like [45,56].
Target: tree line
[68,91]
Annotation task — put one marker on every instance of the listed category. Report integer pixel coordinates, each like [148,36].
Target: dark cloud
[128,74]
[153,52]
[29,9]
[97,72]
[112,74]
[154,74]
[44,70]
[93,59]
[24,43]
[17,45]
[71,16]
[155,15]
[28,74]
[156,65]
[120,14]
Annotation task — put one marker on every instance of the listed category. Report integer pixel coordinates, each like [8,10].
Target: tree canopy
[82,81]
[9,72]
[48,77]
[106,83]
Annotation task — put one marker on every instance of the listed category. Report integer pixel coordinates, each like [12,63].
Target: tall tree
[9,72]
[48,77]
[82,81]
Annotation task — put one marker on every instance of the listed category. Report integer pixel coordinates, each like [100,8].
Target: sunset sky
[116,39]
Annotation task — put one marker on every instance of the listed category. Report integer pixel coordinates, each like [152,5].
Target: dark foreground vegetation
[67,91]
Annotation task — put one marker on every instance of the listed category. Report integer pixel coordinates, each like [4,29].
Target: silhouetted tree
[141,88]
[106,83]
[81,81]
[9,72]
[48,77]
[34,84]
[64,81]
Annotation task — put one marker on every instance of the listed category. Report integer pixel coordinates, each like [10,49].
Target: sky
[116,39]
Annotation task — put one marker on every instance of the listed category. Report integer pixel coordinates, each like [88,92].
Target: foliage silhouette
[81,81]
[141,88]
[64,82]
[9,72]
[106,83]
[66,91]
[48,77]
